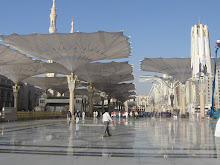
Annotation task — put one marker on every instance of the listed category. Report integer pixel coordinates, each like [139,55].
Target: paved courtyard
[133,141]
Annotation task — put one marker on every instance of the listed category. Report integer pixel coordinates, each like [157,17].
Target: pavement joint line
[121,148]
[109,154]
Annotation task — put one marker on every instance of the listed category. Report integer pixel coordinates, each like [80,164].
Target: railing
[29,115]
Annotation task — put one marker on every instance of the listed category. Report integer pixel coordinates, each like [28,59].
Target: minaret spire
[72,23]
[199,23]
[53,18]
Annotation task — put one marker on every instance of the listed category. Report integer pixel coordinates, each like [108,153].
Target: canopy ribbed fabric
[20,72]
[57,83]
[114,79]
[110,82]
[72,49]
[179,68]
[62,88]
[46,82]
[110,88]
[9,56]
[124,97]
[96,72]
[121,94]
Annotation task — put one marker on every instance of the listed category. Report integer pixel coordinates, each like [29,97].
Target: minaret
[200,50]
[72,30]
[52,29]
[53,18]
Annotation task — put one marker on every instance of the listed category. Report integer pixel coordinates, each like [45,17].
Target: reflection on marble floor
[131,138]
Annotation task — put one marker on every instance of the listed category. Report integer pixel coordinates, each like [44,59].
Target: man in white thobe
[106,119]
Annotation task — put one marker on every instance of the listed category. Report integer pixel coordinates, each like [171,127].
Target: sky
[158,28]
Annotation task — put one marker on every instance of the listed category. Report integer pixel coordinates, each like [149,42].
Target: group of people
[106,119]
[77,116]
[95,114]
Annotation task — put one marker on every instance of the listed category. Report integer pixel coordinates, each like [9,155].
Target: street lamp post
[183,96]
[15,92]
[213,112]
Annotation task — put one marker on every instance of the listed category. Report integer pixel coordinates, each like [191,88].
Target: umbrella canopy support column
[120,106]
[116,105]
[103,100]
[183,96]
[103,94]
[91,90]
[15,93]
[71,79]
[90,104]
[202,93]
[109,100]
[171,102]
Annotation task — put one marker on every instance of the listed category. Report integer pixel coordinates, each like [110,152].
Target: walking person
[217,129]
[106,119]
[217,137]
[119,114]
[69,116]
[77,116]
[83,115]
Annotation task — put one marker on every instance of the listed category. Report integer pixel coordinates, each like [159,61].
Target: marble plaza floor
[141,141]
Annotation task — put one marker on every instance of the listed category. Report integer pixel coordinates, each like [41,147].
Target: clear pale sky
[158,28]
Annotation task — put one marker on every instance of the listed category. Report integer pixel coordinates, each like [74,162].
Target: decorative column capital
[102,94]
[71,79]
[16,88]
[91,88]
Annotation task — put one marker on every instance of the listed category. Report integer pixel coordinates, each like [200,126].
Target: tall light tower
[200,59]
[200,50]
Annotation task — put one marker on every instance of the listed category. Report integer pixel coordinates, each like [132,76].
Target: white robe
[217,128]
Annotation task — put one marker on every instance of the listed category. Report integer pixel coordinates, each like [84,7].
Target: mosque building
[28,95]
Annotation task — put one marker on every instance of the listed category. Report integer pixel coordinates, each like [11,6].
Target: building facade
[28,95]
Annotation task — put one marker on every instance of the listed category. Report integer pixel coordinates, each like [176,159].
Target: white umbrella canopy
[64,88]
[125,93]
[46,82]
[9,56]
[20,72]
[114,79]
[110,88]
[72,49]
[56,83]
[107,83]
[122,96]
[96,72]
[179,68]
